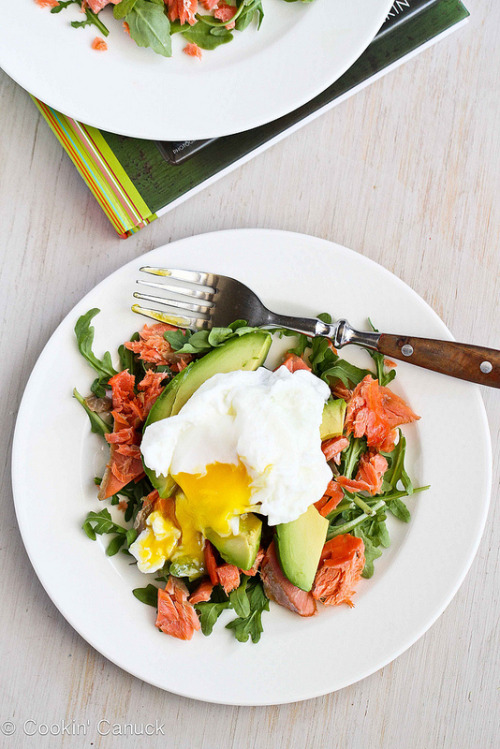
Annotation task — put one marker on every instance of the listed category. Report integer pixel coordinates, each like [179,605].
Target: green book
[136,181]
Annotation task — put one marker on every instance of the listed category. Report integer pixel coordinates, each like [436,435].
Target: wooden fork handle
[473,363]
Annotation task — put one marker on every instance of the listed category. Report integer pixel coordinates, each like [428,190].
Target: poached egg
[245,441]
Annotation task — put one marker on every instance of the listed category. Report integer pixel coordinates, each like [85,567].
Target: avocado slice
[183,566]
[247,352]
[299,544]
[241,549]
[332,424]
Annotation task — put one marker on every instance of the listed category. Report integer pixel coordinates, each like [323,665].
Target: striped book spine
[101,170]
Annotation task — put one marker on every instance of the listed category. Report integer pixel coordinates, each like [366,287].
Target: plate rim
[63,609]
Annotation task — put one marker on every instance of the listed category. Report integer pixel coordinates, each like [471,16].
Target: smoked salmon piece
[152,347]
[225,12]
[292,361]
[229,577]
[341,564]
[339,390]
[371,469]
[330,499]
[202,592]
[370,475]
[182,11]
[151,386]
[125,402]
[99,44]
[210,562]
[129,413]
[120,471]
[193,50]
[375,412]
[47,3]
[224,574]
[209,4]
[333,447]
[125,463]
[176,616]
[277,588]
[97,5]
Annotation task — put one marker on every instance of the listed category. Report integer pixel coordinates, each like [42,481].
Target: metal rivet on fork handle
[407,350]
[486,367]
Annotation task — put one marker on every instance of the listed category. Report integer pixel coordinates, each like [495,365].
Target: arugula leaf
[177,338]
[372,552]
[100,523]
[321,354]
[185,342]
[351,456]
[84,332]
[343,370]
[127,357]
[99,386]
[399,510]
[252,9]
[251,625]
[354,518]
[150,27]
[396,471]
[64,4]
[124,7]
[209,612]
[115,545]
[206,37]
[239,598]
[148,595]
[92,19]
[303,342]
[97,425]
[218,336]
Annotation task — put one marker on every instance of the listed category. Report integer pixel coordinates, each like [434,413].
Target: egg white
[267,421]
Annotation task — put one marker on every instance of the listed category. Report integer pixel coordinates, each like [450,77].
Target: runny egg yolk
[211,500]
[156,543]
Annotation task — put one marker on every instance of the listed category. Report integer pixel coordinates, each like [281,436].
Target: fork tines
[195,277]
[192,300]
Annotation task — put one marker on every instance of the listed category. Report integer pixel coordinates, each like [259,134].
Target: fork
[212,300]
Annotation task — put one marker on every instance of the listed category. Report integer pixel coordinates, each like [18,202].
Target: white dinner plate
[55,458]
[300,49]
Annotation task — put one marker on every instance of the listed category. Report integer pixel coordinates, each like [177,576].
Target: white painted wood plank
[406,173]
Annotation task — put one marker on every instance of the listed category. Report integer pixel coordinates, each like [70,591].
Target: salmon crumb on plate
[193,50]
[99,44]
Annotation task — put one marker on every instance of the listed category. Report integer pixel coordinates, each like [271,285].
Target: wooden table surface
[407,173]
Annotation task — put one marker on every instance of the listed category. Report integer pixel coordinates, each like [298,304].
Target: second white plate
[300,49]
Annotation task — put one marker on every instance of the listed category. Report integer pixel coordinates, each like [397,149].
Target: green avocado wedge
[242,548]
[247,352]
[299,544]
[332,424]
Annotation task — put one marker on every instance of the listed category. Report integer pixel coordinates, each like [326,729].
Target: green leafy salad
[207,540]
[204,24]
